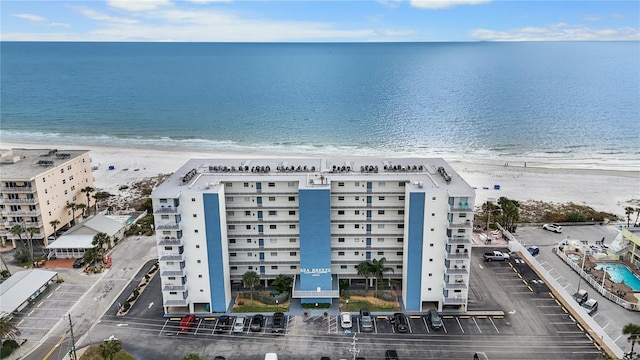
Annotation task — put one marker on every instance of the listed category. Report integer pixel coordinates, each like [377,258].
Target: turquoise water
[569,102]
[619,273]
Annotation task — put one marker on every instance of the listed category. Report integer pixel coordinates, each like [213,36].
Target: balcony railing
[459,240]
[456,270]
[460,208]
[301,294]
[167,210]
[179,273]
[458,300]
[26,224]
[456,255]
[172,257]
[164,241]
[174,288]
[7,201]
[18,189]
[176,302]
[460,225]
[169,226]
[455,286]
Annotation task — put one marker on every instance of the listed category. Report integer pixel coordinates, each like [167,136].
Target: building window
[61,171]
[433,214]
[380,212]
[340,198]
[432,229]
[357,198]
[274,253]
[274,267]
[164,216]
[246,184]
[430,244]
[400,240]
[248,227]
[381,183]
[168,247]
[343,266]
[234,268]
[272,213]
[292,240]
[292,212]
[400,226]
[357,183]
[340,253]
[430,260]
[65,192]
[163,201]
[380,252]
[433,198]
[272,226]
[247,199]
[340,212]
[272,198]
[72,188]
[196,230]
[273,240]
[249,254]
[356,226]
[380,239]
[172,278]
[293,267]
[357,212]
[400,212]
[199,261]
[293,253]
[341,226]
[340,240]
[356,253]
[340,184]
[250,267]
[232,241]
[247,213]
[292,198]
[248,241]
[462,215]
[173,292]
[232,254]
[228,184]
[200,276]
[430,274]
[272,185]
[380,197]
[194,199]
[399,253]
[292,226]
[195,215]
[291,184]
[401,197]
[231,213]
[401,184]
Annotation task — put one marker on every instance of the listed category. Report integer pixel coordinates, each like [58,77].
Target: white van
[271,356]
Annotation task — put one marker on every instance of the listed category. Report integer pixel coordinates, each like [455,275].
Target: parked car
[224,324]
[391,355]
[581,296]
[434,319]
[495,256]
[186,323]
[400,322]
[219,358]
[278,323]
[78,263]
[345,320]
[591,306]
[552,227]
[534,250]
[480,356]
[257,323]
[238,324]
[271,356]
[366,321]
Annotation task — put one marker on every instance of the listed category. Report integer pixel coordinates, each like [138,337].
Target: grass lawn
[371,303]
[258,307]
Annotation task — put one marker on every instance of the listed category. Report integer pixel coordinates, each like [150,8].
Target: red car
[187,323]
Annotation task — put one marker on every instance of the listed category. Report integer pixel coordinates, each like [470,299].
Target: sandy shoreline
[604,190]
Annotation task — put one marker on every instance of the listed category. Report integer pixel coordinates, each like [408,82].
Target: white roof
[80,241]
[21,286]
[99,223]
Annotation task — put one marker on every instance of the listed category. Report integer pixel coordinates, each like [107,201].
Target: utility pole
[353,349]
[73,342]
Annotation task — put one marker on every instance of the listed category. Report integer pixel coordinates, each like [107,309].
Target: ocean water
[572,103]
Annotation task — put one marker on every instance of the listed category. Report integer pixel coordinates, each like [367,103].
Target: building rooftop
[98,223]
[20,287]
[21,164]
[430,175]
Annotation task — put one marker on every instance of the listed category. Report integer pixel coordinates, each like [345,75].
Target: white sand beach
[604,190]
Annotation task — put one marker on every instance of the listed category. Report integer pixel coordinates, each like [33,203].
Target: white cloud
[94,15]
[138,5]
[443,4]
[390,3]
[60,24]
[557,32]
[31,17]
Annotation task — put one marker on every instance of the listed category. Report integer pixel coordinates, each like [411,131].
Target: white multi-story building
[35,187]
[316,220]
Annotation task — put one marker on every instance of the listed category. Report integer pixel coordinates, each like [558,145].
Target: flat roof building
[315,220]
[35,187]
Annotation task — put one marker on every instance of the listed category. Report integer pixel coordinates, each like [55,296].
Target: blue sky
[318,21]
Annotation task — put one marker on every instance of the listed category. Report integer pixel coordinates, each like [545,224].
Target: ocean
[569,103]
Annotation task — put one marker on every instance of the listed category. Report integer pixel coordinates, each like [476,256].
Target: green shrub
[386,295]
[7,348]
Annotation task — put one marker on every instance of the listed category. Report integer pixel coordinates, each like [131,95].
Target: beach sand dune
[604,190]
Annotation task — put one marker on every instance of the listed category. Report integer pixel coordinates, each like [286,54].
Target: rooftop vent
[188,176]
[444,174]
[45,162]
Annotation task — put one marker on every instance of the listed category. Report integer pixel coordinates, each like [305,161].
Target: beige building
[35,187]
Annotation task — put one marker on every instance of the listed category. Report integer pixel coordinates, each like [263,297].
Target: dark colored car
[219,358]
[278,323]
[224,324]
[391,355]
[534,250]
[257,323]
[78,263]
[434,319]
[400,322]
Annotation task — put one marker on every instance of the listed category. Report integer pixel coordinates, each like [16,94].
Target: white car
[238,324]
[553,227]
[345,320]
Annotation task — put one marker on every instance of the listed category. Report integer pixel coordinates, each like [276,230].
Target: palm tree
[17,230]
[55,224]
[109,348]
[637,216]
[633,330]
[7,329]
[99,240]
[88,190]
[251,279]
[81,207]
[628,211]
[101,195]
[30,232]
[365,269]
[73,207]
[378,269]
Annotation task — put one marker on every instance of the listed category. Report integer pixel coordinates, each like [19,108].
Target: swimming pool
[619,273]
[574,257]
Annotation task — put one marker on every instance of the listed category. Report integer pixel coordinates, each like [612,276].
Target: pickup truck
[495,256]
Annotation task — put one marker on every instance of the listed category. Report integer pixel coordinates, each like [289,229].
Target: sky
[319,21]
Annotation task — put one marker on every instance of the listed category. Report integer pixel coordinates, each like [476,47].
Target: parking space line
[445,328]
[475,322]
[425,325]
[580,327]
[21,321]
[494,325]
[50,295]
[40,304]
[604,327]
[198,327]
[56,289]
[409,325]
[375,327]
[618,338]
[458,320]
[31,312]
[163,326]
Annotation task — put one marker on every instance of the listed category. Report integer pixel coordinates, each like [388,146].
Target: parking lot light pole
[347,305]
[584,256]
[604,276]
[277,305]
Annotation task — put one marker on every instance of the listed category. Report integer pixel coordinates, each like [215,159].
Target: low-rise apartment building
[315,220]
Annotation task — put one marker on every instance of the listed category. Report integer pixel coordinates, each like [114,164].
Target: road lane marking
[53,348]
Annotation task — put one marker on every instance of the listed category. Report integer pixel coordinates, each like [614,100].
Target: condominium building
[315,220]
[35,187]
